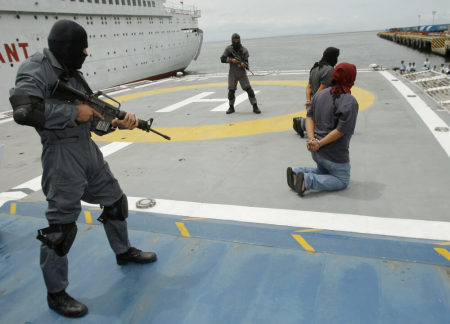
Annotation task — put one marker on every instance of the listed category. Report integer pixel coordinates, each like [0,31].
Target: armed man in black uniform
[73,166]
[237,56]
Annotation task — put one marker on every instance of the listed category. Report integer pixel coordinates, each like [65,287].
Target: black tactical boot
[256,109]
[230,110]
[62,303]
[136,256]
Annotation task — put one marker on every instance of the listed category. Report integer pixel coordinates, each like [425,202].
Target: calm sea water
[300,52]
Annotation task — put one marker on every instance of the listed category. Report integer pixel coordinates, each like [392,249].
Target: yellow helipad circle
[234,129]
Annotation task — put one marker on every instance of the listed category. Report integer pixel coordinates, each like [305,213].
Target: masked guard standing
[73,166]
[237,56]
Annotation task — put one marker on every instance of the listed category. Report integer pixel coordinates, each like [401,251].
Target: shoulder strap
[83,82]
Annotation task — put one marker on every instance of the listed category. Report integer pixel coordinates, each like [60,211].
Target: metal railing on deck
[179,8]
[434,84]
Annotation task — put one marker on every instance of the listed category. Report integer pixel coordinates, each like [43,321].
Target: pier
[438,44]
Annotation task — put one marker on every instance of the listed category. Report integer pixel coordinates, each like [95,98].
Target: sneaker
[230,110]
[136,256]
[256,109]
[299,184]
[64,304]
[290,178]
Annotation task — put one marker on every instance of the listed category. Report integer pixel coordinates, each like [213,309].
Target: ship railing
[174,8]
[434,84]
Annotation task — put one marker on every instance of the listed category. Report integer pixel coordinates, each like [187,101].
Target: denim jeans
[327,176]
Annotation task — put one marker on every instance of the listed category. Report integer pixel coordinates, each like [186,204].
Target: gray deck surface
[241,272]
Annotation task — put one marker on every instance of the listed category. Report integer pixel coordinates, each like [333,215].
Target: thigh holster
[118,211]
[60,243]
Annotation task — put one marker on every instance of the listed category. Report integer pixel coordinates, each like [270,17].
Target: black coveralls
[237,73]
[73,166]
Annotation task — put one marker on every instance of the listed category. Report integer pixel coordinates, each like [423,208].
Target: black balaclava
[66,41]
[236,45]
[329,57]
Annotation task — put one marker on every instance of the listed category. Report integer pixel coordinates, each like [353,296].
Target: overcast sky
[265,18]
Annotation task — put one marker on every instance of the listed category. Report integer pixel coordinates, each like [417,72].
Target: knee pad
[250,92]
[63,239]
[231,94]
[118,211]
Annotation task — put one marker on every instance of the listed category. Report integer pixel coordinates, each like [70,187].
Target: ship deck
[235,244]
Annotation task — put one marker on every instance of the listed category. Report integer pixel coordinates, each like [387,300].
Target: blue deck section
[226,272]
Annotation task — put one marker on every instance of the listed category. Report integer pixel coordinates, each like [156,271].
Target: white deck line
[116,92]
[7,120]
[408,228]
[6,114]
[429,117]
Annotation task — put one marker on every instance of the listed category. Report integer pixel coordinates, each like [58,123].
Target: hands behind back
[313,145]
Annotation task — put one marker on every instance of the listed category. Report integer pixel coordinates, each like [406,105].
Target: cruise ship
[129,40]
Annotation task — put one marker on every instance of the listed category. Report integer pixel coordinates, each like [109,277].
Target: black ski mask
[66,41]
[236,42]
[330,56]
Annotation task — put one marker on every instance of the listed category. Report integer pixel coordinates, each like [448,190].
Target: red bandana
[343,78]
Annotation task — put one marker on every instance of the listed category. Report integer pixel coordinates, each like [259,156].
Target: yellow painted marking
[443,252]
[303,243]
[193,218]
[13,208]
[88,217]
[183,230]
[443,243]
[308,230]
[234,129]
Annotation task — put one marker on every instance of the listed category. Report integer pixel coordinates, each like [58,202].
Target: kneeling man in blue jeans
[330,124]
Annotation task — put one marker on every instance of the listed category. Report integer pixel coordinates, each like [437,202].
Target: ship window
[139,3]
[134,2]
[153,3]
[144,3]
[129,2]
[111,2]
[117,2]
[96,1]
[90,1]
[123,2]
[104,1]
[81,0]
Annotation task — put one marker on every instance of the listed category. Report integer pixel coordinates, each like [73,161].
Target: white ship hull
[128,39]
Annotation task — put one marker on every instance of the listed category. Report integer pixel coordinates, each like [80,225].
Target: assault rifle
[240,61]
[108,111]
